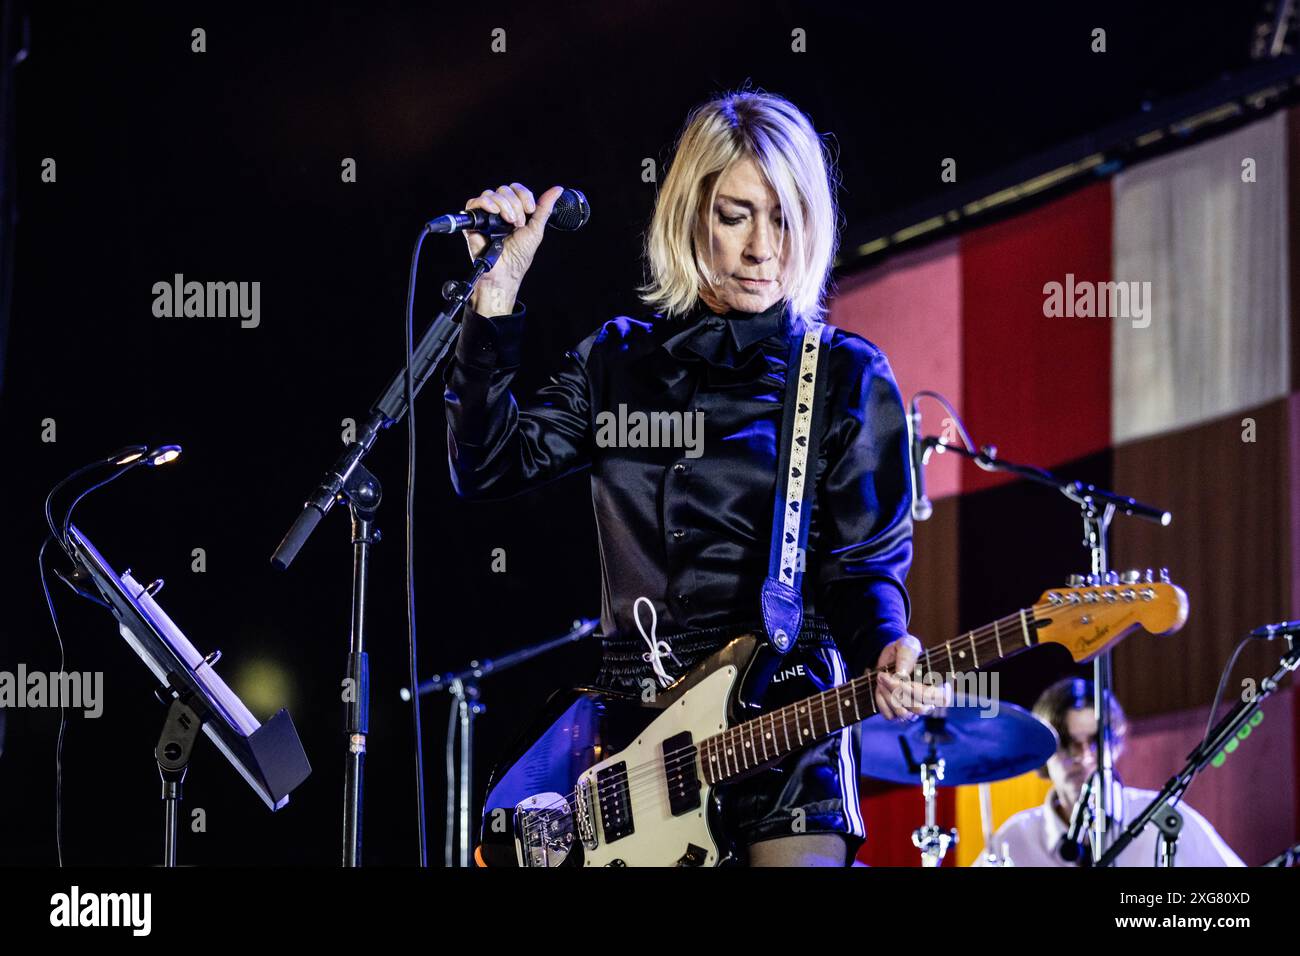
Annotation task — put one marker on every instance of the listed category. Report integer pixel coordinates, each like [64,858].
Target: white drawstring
[658,649]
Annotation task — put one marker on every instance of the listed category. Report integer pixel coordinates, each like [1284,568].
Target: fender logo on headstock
[1098,634]
[1102,631]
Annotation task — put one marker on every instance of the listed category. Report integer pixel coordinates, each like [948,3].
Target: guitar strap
[801,427]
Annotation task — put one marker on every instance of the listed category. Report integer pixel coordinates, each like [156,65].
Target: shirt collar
[719,339]
[750,327]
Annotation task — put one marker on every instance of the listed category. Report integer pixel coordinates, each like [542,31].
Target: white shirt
[1032,836]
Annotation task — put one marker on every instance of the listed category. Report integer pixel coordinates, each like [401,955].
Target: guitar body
[614,781]
[599,785]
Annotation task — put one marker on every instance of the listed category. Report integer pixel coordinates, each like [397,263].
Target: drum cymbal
[977,744]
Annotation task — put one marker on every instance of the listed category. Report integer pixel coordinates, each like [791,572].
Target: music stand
[268,756]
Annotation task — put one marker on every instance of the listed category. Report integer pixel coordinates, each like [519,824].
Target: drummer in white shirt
[1034,837]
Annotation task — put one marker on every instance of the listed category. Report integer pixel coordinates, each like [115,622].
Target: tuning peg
[1131,576]
[1149,576]
[1074,581]
[1164,575]
[1111,577]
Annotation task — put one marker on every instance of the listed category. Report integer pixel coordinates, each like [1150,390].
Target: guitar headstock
[1091,614]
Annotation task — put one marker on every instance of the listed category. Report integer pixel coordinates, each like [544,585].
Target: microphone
[921,507]
[1071,847]
[571,212]
[1280,629]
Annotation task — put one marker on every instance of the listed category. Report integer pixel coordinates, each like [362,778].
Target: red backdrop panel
[891,812]
[1037,387]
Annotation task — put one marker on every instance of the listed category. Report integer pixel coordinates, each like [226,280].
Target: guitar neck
[773,735]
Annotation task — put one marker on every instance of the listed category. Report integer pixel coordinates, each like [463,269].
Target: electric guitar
[617,781]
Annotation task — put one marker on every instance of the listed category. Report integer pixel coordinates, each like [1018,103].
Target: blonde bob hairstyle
[794,161]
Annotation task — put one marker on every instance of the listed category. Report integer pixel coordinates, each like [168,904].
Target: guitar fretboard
[764,739]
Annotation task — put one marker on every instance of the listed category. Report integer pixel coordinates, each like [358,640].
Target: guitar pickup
[615,801]
[680,774]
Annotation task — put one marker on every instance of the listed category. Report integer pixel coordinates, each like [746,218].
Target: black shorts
[815,789]
[812,791]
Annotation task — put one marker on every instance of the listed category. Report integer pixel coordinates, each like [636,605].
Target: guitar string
[835,692]
[651,772]
[635,778]
[955,649]
[672,759]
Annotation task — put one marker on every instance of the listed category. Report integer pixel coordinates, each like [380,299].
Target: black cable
[1218,698]
[111,459]
[67,516]
[60,534]
[1223,683]
[952,412]
[63,719]
[410,548]
[1209,725]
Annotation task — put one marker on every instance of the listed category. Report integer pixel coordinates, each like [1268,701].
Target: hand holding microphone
[514,210]
[511,214]
[517,208]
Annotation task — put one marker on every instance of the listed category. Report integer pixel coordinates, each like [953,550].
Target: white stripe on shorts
[848,760]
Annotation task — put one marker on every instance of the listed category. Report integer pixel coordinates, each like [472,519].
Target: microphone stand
[1170,820]
[1097,508]
[466,704]
[350,481]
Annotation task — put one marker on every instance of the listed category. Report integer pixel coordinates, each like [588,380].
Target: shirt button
[683,597]
[679,468]
[679,534]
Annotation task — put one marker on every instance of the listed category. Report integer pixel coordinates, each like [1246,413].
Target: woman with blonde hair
[739,253]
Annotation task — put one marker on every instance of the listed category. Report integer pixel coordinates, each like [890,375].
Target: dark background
[225,166]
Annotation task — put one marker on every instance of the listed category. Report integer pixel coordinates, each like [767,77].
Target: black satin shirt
[693,532]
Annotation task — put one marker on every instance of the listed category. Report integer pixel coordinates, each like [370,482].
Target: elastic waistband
[622,656]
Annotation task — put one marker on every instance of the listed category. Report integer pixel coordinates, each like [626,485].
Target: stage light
[136,453]
[163,454]
[121,461]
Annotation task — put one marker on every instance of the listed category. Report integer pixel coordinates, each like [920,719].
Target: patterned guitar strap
[801,428]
